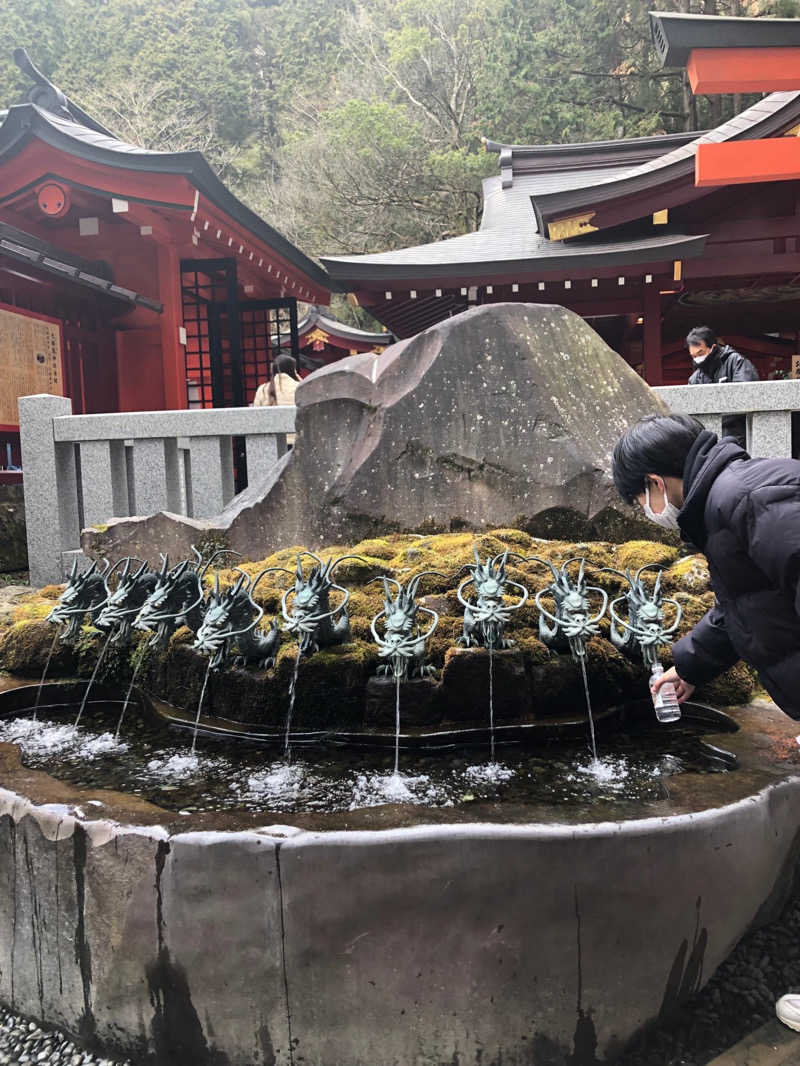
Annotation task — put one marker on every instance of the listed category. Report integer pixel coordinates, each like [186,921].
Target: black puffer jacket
[726,364]
[744,514]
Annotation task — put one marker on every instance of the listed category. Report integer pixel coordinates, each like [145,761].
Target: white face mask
[698,360]
[668,518]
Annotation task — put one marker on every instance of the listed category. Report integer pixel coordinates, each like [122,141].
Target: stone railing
[80,470]
[768,405]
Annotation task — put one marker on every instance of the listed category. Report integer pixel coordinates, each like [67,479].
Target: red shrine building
[323,339]
[132,279]
[622,232]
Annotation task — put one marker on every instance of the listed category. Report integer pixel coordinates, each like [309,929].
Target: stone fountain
[509,922]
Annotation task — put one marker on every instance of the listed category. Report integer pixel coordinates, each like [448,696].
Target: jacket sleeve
[706,651]
[773,537]
[742,369]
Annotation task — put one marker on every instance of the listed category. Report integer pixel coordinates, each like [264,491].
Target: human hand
[683,690]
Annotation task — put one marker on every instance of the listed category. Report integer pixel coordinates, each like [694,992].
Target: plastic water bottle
[665,701]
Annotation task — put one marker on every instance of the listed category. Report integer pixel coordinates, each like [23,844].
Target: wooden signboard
[30,360]
[796,366]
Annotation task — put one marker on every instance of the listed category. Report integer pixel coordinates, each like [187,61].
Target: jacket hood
[705,462]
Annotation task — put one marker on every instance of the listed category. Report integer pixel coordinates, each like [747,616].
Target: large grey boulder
[505,415]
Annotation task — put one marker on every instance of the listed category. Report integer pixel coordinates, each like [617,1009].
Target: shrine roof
[527,158]
[24,122]
[508,240]
[766,118]
[676,35]
[317,319]
[88,274]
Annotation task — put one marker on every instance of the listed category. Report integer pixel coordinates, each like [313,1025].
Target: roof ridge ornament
[49,97]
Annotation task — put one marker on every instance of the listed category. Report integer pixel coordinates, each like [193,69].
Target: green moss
[637,553]
[735,687]
[376,549]
[33,611]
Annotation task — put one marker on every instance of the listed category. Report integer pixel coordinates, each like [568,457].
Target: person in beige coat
[279,392]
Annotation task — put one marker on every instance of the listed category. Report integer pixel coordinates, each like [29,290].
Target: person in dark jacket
[715,363]
[744,515]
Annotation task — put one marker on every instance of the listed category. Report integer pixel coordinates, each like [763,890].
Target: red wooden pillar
[651,336]
[172,351]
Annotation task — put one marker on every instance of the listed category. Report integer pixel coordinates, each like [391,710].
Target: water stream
[200,707]
[589,709]
[128,696]
[287,749]
[491,703]
[91,680]
[397,725]
[44,674]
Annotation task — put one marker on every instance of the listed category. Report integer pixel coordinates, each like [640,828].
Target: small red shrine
[132,279]
[622,232]
[324,339]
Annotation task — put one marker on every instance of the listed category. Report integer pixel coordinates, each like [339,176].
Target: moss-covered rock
[637,553]
[689,574]
[530,680]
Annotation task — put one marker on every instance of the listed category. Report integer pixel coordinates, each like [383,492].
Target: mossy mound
[531,680]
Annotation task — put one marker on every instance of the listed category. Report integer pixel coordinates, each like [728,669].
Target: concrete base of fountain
[359,939]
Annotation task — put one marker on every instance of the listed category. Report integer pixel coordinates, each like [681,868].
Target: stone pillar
[104,481]
[713,423]
[51,488]
[211,474]
[262,454]
[156,475]
[769,434]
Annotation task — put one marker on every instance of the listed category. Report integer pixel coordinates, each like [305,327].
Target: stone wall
[13,546]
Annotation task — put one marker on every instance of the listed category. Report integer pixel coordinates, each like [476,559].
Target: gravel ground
[739,998]
[23,1042]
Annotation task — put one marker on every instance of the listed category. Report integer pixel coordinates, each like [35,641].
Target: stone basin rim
[101,830]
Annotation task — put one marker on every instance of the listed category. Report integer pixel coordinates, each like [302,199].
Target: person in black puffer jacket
[744,515]
[717,363]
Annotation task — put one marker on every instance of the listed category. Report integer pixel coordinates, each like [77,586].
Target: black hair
[284,364]
[656,444]
[701,335]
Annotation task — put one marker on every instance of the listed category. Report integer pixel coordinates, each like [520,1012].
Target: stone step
[771,1045]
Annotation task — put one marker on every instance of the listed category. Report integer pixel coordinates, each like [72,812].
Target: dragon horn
[126,569]
[544,562]
[414,583]
[216,585]
[180,569]
[164,565]
[140,571]
[198,556]
[74,571]
[581,571]
[220,551]
[657,586]
[475,553]
[342,558]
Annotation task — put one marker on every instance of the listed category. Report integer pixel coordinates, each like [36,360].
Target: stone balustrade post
[51,487]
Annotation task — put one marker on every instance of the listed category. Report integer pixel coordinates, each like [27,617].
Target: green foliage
[357,126]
